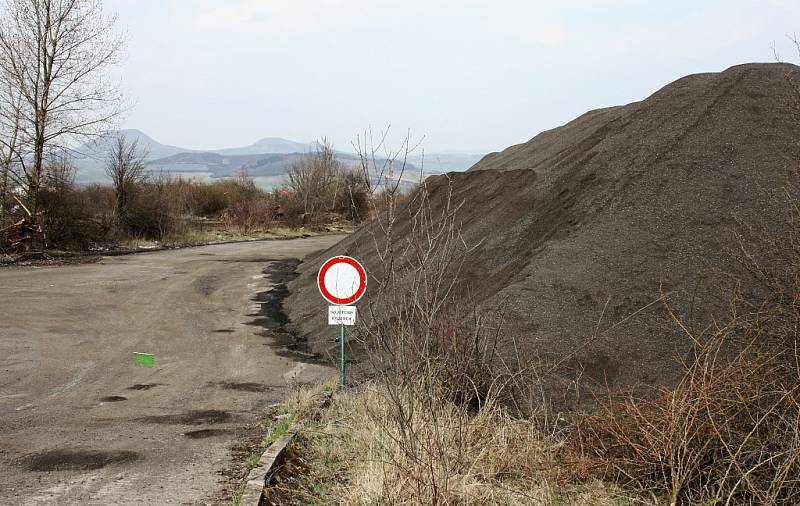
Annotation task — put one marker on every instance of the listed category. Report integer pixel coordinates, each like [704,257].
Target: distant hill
[269,145]
[269,157]
[268,165]
[155,150]
[220,165]
[94,152]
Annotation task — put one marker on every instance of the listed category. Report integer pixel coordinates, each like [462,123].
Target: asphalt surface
[80,424]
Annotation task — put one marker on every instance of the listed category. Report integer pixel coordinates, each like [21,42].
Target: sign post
[342,281]
[342,363]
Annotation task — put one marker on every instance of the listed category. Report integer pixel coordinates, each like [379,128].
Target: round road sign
[342,280]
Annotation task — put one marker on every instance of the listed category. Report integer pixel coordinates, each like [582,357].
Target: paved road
[79,424]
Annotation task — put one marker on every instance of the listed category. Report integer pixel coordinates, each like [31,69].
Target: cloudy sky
[469,75]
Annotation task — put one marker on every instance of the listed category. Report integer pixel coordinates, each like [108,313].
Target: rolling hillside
[268,160]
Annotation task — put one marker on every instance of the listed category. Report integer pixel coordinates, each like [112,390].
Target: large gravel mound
[585,226]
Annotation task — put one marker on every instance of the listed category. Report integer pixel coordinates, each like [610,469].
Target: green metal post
[341,356]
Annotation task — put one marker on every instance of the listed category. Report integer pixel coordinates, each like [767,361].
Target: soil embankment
[587,229]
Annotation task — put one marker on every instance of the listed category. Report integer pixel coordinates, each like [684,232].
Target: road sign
[342,315]
[342,280]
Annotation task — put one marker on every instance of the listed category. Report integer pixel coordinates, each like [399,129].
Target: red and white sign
[342,280]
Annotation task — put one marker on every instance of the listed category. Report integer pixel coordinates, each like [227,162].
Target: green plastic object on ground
[147,360]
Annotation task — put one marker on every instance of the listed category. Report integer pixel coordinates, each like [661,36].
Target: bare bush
[355,202]
[159,210]
[212,199]
[383,168]
[434,360]
[249,207]
[729,432]
[323,185]
[125,166]
[74,217]
[315,179]
[420,325]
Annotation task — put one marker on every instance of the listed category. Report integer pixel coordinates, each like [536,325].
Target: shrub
[212,199]
[353,200]
[159,209]
[250,212]
[73,217]
[78,218]
[729,431]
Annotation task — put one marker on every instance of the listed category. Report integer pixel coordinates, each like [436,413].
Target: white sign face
[342,280]
[341,315]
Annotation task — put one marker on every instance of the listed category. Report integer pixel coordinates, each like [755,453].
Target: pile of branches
[20,235]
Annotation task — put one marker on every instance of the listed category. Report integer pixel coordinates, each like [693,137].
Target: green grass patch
[236,499]
[276,429]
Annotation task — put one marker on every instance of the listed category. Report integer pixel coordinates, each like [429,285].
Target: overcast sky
[471,76]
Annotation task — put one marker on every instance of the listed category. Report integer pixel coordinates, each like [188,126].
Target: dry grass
[354,453]
[728,433]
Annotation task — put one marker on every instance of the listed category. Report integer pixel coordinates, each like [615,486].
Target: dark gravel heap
[592,221]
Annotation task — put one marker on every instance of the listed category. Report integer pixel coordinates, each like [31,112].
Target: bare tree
[9,139]
[54,55]
[125,166]
[316,177]
[383,168]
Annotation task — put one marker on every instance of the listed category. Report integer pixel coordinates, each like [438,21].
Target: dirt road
[79,424]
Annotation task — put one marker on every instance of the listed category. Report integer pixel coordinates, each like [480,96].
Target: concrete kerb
[260,476]
[269,462]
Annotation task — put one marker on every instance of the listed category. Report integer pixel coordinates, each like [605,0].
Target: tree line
[56,93]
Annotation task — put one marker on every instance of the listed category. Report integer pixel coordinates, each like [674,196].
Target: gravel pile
[584,229]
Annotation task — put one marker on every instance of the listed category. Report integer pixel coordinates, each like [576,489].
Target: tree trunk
[34,185]
[121,205]
[3,194]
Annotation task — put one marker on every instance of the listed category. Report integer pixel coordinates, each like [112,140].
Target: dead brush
[361,452]
[418,325]
[458,355]
[728,433]
[436,452]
